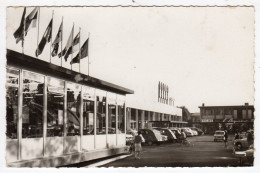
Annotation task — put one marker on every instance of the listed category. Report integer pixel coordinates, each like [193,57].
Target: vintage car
[167,132]
[241,142]
[187,131]
[151,136]
[199,131]
[219,135]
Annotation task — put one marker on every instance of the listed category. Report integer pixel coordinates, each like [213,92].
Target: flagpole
[38,29]
[23,33]
[88,52]
[72,46]
[61,40]
[51,34]
[79,49]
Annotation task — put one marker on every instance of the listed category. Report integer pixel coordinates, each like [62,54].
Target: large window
[73,109]
[111,113]
[101,112]
[12,83]
[32,105]
[121,114]
[55,107]
[88,110]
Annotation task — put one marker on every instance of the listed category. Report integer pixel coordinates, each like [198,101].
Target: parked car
[167,132]
[199,131]
[187,131]
[130,136]
[151,136]
[219,135]
[177,133]
[195,133]
[241,142]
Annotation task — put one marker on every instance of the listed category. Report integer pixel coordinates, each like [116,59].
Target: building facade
[231,118]
[56,116]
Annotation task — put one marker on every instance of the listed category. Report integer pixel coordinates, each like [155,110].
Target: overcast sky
[204,54]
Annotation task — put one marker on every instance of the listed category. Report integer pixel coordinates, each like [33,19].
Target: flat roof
[236,106]
[19,60]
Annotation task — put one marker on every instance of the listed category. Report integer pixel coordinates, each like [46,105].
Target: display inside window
[55,107]
[32,113]
[12,84]
[88,117]
[101,114]
[121,118]
[73,109]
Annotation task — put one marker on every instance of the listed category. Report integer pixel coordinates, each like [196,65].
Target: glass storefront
[88,110]
[101,112]
[58,109]
[111,113]
[55,107]
[12,84]
[73,109]
[32,112]
[121,114]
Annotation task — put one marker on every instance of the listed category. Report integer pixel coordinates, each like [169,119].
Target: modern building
[56,116]
[232,118]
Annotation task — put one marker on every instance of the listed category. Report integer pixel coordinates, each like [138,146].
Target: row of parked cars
[160,135]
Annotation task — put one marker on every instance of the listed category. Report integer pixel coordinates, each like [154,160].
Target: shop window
[121,115]
[73,109]
[228,112]
[111,113]
[235,114]
[101,112]
[88,110]
[12,84]
[249,113]
[32,116]
[55,107]
[244,114]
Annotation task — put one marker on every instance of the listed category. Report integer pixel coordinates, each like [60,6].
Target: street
[201,152]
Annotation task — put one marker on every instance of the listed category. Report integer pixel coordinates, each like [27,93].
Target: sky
[204,54]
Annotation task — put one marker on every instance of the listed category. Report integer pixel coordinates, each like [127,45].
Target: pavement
[201,152]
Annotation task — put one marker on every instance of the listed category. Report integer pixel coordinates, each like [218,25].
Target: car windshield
[219,133]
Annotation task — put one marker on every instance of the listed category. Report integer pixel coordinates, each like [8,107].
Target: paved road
[201,152]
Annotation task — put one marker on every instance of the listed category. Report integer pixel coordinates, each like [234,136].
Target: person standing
[138,145]
[249,138]
[225,138]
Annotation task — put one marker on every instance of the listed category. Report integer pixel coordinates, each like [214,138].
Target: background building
[232,118]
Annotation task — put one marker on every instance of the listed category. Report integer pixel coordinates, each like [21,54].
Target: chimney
[246,104]
[203,104]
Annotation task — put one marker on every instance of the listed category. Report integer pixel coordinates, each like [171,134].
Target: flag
[57,40]
[45,38]
[82,53]
[19,33]
[73,47]
[31,18]
[68,45]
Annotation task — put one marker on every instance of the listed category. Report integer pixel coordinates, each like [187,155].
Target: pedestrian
[138,145]
[225,138]
[249,138]
[236,136]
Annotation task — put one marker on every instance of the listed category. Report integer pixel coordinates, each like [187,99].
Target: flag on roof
[82,53]
[19,33]
[45,38]
[57,41]
[68,45]
[31,18]
[73,47]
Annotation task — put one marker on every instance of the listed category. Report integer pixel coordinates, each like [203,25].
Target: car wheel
[239,146]
[214,140]
[150,143]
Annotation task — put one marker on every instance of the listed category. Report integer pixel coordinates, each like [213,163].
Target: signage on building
[163,94]
[207,120]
